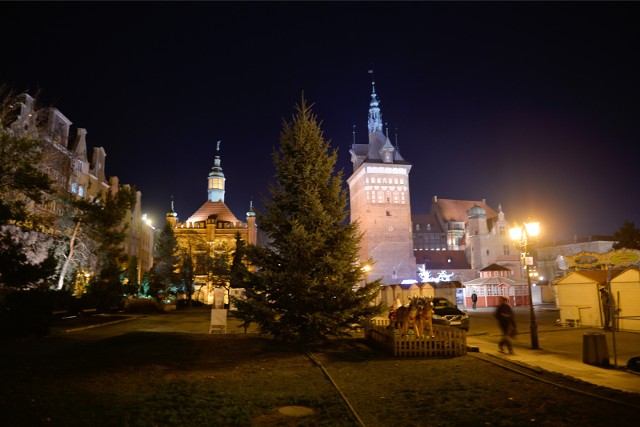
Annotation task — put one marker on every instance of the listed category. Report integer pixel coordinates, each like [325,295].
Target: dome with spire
[251,212]
[216,179]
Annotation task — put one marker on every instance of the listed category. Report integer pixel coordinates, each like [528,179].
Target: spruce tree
[165,263]
[239,273]
[305,287]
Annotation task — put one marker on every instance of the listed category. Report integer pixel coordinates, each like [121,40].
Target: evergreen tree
[165,263]
[130,276]
[187,273]
[239,274]
[628,236]
[305,287]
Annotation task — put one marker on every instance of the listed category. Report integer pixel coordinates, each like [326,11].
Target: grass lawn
[172,379]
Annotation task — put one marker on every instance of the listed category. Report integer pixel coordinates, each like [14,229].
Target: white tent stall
[625,289]
[578,298]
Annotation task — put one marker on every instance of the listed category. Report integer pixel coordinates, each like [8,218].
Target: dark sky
[534,106]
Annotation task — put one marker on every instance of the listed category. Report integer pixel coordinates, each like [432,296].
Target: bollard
[594,349]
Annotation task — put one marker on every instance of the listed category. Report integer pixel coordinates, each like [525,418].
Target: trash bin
[634,364]
[594,349]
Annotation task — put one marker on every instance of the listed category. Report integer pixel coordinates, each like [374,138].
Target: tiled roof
[495,267]
[219,209]
[495,281]
[424,219]
[456,210]
[371,152]
[445,260]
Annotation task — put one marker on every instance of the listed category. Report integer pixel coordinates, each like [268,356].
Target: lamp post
[522,234]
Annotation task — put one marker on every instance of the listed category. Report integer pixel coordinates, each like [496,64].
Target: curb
[97,325]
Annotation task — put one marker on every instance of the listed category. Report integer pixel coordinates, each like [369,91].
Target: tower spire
[172,216]
[216,180]
[375,117]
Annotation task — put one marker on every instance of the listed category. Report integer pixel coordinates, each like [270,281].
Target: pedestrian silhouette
[507,323]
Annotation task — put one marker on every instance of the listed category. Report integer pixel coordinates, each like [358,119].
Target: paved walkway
[561,351]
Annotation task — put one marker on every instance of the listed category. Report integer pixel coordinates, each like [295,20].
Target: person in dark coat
[507,323]
[474,299]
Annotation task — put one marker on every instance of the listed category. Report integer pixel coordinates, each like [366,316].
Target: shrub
[142,306]
[25,313]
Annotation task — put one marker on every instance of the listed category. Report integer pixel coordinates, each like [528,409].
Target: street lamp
[521,234]
[366,269]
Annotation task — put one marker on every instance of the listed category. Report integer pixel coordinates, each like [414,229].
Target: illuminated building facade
[73,172]
[211,230]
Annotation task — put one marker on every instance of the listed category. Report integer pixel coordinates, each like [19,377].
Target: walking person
[606,308]
[474,299]
[507,323]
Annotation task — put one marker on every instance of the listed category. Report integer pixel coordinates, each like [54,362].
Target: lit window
[216,183]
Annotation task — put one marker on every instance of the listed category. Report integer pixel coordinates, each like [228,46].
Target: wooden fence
[448,341]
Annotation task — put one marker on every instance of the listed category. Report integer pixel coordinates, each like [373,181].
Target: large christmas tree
[305,284]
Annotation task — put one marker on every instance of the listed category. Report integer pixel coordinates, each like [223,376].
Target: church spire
[375,117]
[216,180]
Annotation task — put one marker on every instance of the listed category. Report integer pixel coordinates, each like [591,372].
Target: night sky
[534,106]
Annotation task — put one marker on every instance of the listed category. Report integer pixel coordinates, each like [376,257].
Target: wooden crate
[448,342]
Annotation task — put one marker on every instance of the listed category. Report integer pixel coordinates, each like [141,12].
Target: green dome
[476,212]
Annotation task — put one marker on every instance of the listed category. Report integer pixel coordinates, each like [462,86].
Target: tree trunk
[69,256]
